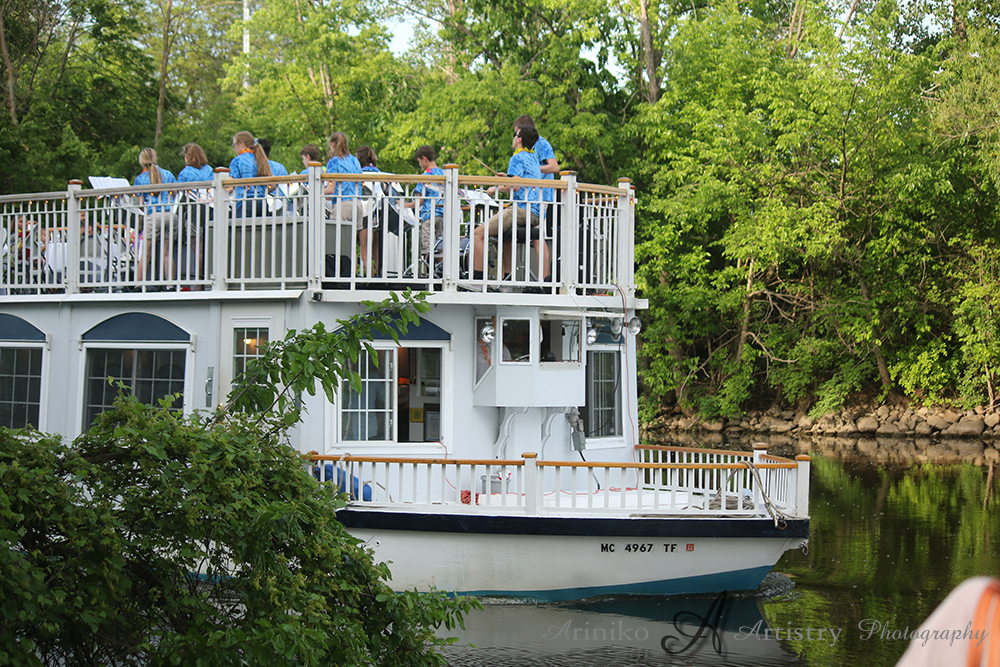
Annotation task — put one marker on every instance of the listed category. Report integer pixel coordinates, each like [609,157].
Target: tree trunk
[651,57]
[11,74]
[745,327]
[164,64]
[883,367]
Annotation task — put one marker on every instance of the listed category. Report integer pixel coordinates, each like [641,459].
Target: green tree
[799,196]
[164,539]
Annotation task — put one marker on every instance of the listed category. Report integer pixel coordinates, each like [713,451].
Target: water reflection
[890,538]
[632,632]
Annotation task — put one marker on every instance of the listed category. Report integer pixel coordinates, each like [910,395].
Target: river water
[888,542]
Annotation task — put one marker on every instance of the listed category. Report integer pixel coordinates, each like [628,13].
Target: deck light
[616,326]
[591,335]
[487,334]
[634,326]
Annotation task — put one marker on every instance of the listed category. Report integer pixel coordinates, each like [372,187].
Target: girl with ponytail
[158,219]
[250,162]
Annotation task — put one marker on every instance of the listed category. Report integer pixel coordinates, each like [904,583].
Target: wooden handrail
[405,459]
[549,464]
[697,450]
[663,466]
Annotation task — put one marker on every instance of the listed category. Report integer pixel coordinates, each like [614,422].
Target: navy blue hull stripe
[580,526]
[737,580]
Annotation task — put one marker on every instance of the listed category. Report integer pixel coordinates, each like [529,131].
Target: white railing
[683,481]
[285,233]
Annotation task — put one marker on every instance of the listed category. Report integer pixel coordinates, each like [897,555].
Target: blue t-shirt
[543,151]
[277,169]
[524,165]
[162,198]
[431,193]
[244,165]
[344,165]
[190,175]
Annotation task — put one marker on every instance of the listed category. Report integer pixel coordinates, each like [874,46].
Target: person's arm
[550,166]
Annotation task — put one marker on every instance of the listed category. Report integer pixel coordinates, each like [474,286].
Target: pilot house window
[602,415]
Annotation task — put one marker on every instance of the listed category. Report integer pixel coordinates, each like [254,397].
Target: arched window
[144,353]
[22,346]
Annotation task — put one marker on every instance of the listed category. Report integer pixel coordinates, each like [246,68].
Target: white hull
[612,556]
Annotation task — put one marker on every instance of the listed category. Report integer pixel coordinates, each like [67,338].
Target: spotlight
[634,326]
[591,335]
[487,334]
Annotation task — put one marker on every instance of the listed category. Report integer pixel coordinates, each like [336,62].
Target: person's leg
[524,221]
[167,235]
[495,226]
[363,242]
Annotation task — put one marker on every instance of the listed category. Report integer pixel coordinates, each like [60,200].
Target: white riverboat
[494,450]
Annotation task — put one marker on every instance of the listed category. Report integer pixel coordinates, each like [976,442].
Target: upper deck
[238,238]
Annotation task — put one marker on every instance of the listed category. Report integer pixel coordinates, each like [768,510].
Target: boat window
[602,416]
[148,374]
[484,348]
[247,345]
[20,386]
[560,339]
[516,341]
[366,414]
[399,399]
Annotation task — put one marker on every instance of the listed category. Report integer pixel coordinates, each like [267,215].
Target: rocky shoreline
[887,433]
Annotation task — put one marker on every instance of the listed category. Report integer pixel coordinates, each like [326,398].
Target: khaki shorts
[505,219]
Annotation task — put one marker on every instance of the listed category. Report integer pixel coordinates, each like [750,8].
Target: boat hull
[556,558]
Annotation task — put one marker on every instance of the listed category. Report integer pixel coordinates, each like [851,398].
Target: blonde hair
[245,138]
[147,160]
[339,142]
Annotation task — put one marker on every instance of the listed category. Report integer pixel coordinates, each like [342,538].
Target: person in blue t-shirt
[549,167]
[524,209]
[250,162]
[429,199]
[196,165]
[196,214]
[158,220]
[367,159]
[343,192]
[345,207]
[277,169]
[309,153]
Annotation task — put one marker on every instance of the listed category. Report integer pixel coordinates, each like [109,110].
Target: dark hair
[194,156]
[525,120]
[266,145]
[311,151]
[366,156]
[426,152]
[529,136]
[338,141]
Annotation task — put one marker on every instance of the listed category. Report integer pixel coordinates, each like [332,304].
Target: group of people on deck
[533,158]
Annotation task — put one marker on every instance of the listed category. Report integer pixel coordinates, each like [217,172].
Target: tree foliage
[817,180]
[158,538]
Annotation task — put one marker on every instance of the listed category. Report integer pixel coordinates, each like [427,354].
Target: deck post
[316,227]
[531,489]
[625,269]
[759,452]
[802,485]
[220,231]
[450,233]
[71,277]
[568,255]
